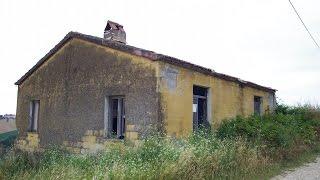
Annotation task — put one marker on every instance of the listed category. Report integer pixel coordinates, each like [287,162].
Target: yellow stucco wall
[248,94]
[226,99]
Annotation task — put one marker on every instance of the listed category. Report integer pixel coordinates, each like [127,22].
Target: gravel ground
[310,171]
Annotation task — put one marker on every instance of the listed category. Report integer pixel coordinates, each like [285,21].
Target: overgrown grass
[242,148]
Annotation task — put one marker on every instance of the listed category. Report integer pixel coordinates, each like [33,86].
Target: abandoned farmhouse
[91,85]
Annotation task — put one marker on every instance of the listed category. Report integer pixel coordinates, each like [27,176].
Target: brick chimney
[115,32]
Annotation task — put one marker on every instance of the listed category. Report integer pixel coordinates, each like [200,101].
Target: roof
[139,52]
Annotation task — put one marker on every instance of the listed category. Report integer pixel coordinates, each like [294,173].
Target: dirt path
[309,171]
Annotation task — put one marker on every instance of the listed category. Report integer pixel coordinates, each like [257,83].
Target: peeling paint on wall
[170,75]
[272,102]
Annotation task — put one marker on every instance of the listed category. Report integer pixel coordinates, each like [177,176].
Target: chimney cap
[113,26]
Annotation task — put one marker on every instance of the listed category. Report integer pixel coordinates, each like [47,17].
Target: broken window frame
[120,115]
[34,114]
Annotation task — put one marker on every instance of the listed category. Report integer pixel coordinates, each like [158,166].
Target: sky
[260,41]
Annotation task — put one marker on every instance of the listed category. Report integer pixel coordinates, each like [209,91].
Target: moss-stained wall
[72,86]
[226,99]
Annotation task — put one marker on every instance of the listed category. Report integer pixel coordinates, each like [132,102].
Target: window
[200,115]
[116,117]
[257,105]
[34,115]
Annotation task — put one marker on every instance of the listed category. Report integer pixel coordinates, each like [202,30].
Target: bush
[285,129]
[7,139]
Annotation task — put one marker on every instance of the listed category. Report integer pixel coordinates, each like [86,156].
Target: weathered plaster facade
[73,81]
[72,86]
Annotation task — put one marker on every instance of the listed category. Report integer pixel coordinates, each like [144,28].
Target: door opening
[200,114]
[257,108]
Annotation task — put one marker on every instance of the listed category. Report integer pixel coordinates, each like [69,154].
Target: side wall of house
[73,84]
[226,99]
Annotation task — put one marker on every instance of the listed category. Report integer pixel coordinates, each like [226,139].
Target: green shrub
[285,128]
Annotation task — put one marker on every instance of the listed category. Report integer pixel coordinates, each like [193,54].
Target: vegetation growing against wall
[288,130]
[241,148]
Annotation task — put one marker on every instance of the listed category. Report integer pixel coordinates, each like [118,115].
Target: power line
[304,25]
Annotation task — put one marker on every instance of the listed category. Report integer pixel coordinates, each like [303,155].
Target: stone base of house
[30,143]
[93,141]
[131,134]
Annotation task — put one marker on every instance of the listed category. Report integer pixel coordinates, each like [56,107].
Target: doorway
[257,108]
[199,107]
